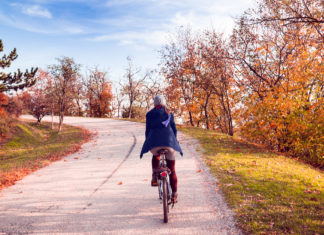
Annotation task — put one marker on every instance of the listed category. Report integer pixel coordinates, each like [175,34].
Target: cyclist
[161,133]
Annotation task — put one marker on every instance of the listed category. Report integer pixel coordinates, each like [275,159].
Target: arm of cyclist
[148,127]
[173,126]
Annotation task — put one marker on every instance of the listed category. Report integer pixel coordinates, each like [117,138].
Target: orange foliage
[281,84]
[270,80]
[3,103]
[200,80]
[99,95]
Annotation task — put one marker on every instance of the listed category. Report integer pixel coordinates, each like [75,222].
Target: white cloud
[37,10]
[180,19]
[33,10]
[50,28]
[113,3]
[155,38]
[72,29]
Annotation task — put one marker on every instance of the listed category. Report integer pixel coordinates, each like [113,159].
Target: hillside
[31,146]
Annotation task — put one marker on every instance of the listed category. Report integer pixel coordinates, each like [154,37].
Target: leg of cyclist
[155,164]
[173,180]
[170,156]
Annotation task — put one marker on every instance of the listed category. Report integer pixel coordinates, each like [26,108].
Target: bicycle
[164,189]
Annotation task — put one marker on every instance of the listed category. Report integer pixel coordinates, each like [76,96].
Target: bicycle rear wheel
[165,201]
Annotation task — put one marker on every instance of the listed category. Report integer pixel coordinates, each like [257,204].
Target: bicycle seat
[163,151]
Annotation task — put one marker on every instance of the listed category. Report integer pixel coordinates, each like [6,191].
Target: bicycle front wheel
[165,201]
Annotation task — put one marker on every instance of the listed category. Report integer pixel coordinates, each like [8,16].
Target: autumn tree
[38,105]
[132,86]
[4,121]
[15,106]
[152,86]
[217,83]
[279,73]
[177,60]
[38,99]
[198,74]
[65,75]
[3,104]
[306,13]
[99,94]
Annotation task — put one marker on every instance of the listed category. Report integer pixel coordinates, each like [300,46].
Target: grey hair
[159,100]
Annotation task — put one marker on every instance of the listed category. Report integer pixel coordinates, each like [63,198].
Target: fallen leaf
[271,225]
[65,160]
[120,183]
[76,158]
[198,171]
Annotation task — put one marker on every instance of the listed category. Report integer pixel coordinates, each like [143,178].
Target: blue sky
[104,32]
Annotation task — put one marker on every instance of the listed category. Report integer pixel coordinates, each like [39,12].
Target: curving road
[105,189]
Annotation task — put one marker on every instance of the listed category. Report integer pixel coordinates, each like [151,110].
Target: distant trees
[64,75]
[39,99]
[137,91]
[98,94]
[132,86]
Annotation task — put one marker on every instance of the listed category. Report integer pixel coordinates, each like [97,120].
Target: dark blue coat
[156,134]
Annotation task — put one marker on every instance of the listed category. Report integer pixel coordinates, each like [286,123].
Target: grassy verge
[33,146]
[269,193]
[141,120]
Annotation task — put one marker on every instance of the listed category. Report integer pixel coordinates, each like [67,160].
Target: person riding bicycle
[161,133]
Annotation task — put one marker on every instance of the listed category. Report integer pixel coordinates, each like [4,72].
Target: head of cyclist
[159,100]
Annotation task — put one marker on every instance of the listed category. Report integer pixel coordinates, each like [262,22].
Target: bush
[5,125]
[15,106]
[137,112]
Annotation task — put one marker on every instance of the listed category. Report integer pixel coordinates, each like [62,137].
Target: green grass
[33,146]
[269,193]
[141,120]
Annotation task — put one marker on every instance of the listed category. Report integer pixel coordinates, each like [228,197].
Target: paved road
[104,189]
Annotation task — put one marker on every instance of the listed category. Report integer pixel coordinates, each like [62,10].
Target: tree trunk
[130,110]
[206,112]
[61,121]
[190,118]
[61,117]
[52,125]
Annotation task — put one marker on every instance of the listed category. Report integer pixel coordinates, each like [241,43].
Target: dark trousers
[171,166]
